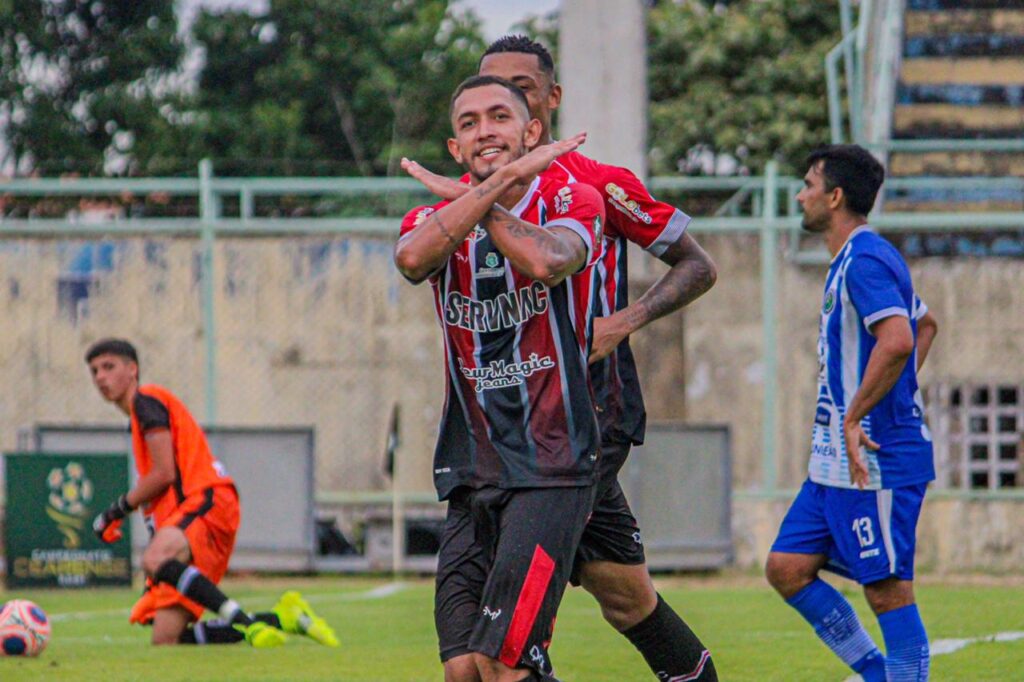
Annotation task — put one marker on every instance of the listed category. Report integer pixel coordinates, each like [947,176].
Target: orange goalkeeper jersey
[195,468]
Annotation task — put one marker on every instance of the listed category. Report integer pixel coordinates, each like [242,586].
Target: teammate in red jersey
[511,266]
[192,508]
[611,563]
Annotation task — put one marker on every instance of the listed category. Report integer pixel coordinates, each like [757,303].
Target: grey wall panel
[272,469]
[678,484]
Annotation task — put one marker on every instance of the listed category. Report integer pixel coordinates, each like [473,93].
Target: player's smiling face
[492,129]
[113,375]
[524,70]
[815,200]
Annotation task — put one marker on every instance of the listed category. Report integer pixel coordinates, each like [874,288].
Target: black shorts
[612,533]
[504,562]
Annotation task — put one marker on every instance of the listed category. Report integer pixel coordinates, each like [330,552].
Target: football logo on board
[67,503]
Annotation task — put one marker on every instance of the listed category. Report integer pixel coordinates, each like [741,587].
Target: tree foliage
[79,78]
[350,86]
[359,82]
[745,79]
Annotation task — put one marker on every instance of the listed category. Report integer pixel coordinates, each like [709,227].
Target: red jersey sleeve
[579,208]
[416,216]
[634,214]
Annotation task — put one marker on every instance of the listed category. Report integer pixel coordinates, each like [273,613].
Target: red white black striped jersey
[518,409]
[633,215]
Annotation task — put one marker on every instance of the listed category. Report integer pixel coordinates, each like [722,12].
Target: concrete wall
[324,332]
[310,331]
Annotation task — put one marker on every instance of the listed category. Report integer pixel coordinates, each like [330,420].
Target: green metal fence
[768,210]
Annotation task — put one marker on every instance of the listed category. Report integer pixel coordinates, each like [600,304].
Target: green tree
[357,82]
[79,80]
[745,79]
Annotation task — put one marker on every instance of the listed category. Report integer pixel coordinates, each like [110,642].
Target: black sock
[191,583]
[220,632]
[670,647]
[211,632]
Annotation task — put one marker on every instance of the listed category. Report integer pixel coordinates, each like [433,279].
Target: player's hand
[855,439]
[113,532]
[114,513]
[536,161]
[445,188]
[608,334]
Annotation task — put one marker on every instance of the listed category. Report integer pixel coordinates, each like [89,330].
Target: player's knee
[624,602]
[156,556]
[461,669]
[783,576]
[889,595]
[164,638]
[493,670]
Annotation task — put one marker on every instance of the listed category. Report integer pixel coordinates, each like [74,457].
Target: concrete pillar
[603,71]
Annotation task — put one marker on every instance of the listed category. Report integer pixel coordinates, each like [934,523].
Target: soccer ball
[24,629]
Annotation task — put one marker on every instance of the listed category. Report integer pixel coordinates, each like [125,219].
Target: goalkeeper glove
[114,513]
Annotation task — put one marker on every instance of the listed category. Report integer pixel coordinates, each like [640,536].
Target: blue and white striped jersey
[867,281]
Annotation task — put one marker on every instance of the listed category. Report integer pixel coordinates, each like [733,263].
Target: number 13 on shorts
[864,532]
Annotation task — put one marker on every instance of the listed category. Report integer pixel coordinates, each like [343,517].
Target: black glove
[115,512]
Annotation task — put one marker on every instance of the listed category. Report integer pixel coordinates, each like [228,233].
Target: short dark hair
[520,43]
[853,169]
[119,347]
[480,81]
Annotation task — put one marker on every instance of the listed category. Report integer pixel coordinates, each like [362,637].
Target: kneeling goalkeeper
[192,510]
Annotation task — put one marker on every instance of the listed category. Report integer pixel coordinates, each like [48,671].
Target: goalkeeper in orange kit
[192,510]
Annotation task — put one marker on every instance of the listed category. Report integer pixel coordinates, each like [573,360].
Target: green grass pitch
[387,635]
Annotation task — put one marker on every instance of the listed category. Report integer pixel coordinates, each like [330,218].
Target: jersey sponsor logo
[597,229]
[823,416]
[563,200]
[505,311]
[422,215]
[622,202]
[493,615]
[830,301]
[492,270]
[499,374]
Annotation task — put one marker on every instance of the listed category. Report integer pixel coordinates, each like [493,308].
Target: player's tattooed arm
[427,247]
[548,255]
[691,275]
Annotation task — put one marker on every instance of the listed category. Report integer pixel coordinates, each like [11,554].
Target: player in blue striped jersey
[871,453]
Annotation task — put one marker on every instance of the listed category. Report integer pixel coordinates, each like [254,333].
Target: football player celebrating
[610,563]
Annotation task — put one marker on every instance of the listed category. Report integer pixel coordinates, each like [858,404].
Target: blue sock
[836,623]
[906,644]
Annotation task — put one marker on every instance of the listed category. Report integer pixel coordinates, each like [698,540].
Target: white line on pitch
[376,593]
[948,646]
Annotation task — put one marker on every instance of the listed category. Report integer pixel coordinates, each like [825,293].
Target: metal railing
[768,217]
[847,123]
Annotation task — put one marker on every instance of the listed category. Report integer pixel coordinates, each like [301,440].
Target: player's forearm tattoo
[521,230]
[684,283]
[443,229]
